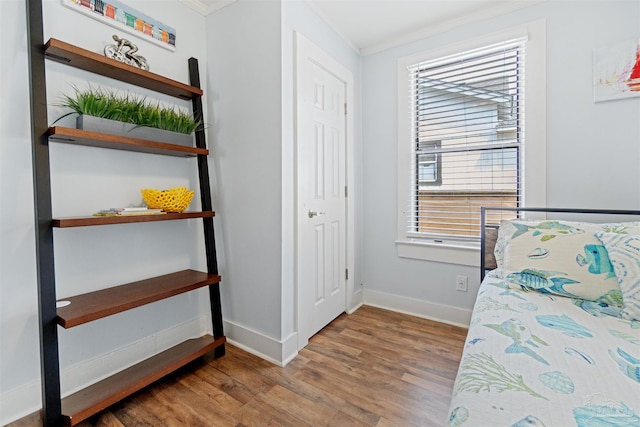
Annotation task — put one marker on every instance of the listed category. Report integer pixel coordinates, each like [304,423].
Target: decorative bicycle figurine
[128,56]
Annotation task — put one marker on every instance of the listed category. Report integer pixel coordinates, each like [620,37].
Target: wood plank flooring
[371,368]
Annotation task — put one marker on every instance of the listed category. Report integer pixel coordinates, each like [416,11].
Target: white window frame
[533,179]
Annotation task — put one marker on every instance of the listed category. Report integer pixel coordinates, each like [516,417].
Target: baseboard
[419,308]
[357,300]
[268,348]
[20,402]
[26,399]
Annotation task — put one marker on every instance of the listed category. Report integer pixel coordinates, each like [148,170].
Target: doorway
[324,214]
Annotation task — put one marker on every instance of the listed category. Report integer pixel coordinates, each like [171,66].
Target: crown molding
[326,20]
[206,7]
[447,25]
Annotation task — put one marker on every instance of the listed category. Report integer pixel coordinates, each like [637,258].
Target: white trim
[268,348]
[206,8]
[439,252]
[448,24]
[330,24]
[20,402]
[427,310]
[356,302]
[535,176]
[305,48]
[534,149]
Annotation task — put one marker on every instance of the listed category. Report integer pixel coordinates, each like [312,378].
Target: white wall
[85,180]
[592,149]
[251,78]
[243,41]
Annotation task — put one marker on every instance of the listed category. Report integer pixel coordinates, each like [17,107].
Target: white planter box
[98,124]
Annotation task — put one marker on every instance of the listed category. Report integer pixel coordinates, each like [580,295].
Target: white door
[321,198]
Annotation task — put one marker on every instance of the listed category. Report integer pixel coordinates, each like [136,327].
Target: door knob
[312,214]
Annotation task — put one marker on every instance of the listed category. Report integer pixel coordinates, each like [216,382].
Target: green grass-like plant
[128,109]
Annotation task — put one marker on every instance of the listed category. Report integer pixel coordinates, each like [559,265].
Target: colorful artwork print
[123,17]
[616,71]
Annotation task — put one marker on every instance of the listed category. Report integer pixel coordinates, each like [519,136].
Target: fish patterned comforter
[535,359]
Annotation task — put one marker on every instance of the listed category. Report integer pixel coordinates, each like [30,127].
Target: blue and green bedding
[539,358]
[554,338]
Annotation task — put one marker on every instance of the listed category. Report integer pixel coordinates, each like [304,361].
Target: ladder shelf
[85,308]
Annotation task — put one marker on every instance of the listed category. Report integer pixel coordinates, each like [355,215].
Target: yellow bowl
[172,200]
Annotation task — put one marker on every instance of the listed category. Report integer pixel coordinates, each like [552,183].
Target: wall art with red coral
[616,71]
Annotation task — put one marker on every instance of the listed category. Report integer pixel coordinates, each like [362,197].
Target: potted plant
[129,115]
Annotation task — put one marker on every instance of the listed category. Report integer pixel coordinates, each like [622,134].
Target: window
[466,116]
[463,141]
[429,163]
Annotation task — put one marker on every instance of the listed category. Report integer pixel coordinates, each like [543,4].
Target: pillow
[562,257]
[624,253]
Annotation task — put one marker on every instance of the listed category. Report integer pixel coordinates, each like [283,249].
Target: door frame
[305,49]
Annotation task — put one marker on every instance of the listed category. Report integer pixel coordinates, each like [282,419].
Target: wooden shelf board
[87,221]
[96,305]
[116,142]
[95,398]
[83,59]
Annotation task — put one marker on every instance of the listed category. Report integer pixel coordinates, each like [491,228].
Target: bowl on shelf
[175,199]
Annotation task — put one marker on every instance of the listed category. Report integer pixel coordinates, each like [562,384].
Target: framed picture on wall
[616,71]
[126,18]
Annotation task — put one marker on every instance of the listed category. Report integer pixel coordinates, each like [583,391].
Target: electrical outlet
[461,283]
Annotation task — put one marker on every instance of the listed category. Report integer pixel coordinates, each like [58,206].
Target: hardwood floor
[371,368]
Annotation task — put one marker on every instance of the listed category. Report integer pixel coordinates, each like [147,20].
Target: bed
[554,338]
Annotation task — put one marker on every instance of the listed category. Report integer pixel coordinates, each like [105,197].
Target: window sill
[447,252]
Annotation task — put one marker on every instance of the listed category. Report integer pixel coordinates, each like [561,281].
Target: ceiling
[373,25]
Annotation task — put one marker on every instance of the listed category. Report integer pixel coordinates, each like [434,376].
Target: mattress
[538,359]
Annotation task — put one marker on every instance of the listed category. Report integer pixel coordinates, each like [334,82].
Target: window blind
[467,136]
